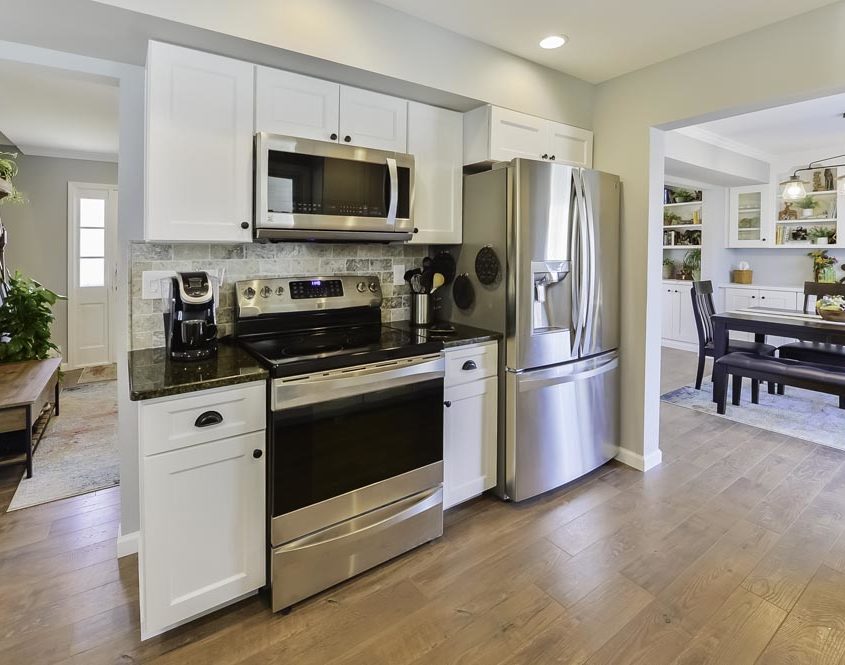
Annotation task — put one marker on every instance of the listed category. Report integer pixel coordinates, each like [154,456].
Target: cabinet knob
[208,418]
[545,155]
[552,157]
[416,230]
[347,138]
[469,364]
[257,453]
[762,297]
[447,404]
[753,297]
[333,137]
[244,225]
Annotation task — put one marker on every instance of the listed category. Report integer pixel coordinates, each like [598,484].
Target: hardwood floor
[732,552]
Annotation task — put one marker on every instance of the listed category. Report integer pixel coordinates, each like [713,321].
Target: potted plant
[821,235]
[25,319]
[684,196]
[668,268]
[692,263]
[670,218]
[8,194]
[823,270]
[808,206]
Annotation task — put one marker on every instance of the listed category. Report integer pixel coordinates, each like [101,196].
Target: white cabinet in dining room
[435,140]
[738,298]
[199,137]
[751,220]
[296,105]
[494,134]
[678,319]
[470,422]
[372,120]
[202,541]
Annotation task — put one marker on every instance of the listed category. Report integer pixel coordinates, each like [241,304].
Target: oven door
[320,190]
[346,442]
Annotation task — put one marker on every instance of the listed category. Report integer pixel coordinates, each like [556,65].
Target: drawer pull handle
[447,404]
[208,418]
[469,364]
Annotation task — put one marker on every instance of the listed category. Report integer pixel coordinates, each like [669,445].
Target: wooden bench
[26,389]
[782,371]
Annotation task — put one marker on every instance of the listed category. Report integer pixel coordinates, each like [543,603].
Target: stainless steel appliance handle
[583,266]
[592,310]
[554,376]
[292,392]
[394,190]
[370,523]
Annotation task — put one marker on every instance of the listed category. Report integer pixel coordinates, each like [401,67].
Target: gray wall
[38,228]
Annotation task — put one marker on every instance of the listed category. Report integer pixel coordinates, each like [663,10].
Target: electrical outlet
[398,274]
[151,283]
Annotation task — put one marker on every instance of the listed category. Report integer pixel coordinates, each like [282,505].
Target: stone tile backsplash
[244,261]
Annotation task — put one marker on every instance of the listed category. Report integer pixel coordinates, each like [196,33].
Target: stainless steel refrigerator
[553,230]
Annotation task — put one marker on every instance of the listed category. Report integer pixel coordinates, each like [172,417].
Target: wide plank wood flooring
[731,552]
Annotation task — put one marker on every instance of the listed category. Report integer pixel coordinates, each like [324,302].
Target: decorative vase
[806,212]
[668,271]
[826,275]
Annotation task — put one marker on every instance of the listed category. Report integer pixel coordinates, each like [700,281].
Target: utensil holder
[421,309]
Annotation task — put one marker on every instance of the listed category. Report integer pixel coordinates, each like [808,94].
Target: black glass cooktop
[309,351]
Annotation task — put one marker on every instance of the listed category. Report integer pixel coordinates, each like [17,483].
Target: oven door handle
[393,202]
[302,391]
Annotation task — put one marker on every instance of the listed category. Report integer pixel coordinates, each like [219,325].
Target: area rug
[78,453]
[802,414]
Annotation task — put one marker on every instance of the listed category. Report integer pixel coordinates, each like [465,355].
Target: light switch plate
[398,274]
[151,282]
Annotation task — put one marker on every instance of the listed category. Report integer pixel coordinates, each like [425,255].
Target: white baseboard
[127,543]
[637,461]
[682,346]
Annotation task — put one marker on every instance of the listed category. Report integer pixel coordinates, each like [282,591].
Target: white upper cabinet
[494,134]
[435,140]
[751,222]
[372,120]
[296,105]
[199,138]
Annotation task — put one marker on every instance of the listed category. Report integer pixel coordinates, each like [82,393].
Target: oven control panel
[281,295]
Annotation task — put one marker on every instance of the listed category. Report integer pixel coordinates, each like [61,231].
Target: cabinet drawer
[471,363]
[175,423]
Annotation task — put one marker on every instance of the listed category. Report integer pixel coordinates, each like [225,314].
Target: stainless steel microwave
[315,190]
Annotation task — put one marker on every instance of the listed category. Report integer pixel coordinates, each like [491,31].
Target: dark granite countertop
[152,374]
[463,335]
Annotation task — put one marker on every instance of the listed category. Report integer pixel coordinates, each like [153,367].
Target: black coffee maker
[190,318]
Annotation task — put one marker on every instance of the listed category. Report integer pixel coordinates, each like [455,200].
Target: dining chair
[703,308]
[816,352]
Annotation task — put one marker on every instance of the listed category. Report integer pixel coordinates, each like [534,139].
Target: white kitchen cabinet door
[199,138]
[570,145]
[372,120]
[751,219]
[514,134]
[779,299]
[202,529]
[670,312]
[687,332]
[296,105]
[435,139]
[469,440]
[736,299]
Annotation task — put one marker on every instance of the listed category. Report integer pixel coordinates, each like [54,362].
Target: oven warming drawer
[308,565]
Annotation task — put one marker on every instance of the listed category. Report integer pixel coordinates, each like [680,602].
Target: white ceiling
[817,124]
[58,113]
[608,38]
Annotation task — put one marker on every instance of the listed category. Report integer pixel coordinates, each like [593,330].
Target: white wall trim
[680,345]
[707,136]
[60,153]
[637,461]
[127,543]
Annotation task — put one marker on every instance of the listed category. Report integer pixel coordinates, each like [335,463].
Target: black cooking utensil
[487,265]
[463,291]
[427,280]
[426,263]
[410,273]
[444,263]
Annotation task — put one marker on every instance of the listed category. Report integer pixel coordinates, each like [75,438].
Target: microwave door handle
[393,202]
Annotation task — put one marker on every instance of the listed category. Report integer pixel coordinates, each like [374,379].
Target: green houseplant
[8,170]
[668,268]
[822,235]
[808,205]
[692,264]
[25,318]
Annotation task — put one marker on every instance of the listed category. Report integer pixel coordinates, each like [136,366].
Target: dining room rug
[78,453]
[802,414]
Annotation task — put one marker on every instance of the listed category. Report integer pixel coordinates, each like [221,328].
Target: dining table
[771,321]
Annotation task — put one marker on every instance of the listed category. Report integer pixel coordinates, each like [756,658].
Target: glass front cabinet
[751,222]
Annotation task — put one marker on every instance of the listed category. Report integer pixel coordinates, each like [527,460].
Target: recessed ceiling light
[553,41]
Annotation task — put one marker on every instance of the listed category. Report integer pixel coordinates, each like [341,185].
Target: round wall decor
[463,292]
[487,265]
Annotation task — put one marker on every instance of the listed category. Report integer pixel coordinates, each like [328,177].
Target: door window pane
[92,243]
[92,272]
[92,213]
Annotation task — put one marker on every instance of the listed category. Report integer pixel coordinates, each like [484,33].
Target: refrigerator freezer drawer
[562,422]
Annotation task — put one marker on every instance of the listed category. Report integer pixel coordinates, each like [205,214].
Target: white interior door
[92,231]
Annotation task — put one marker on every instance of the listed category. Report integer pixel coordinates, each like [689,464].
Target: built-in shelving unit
[682,226]
[792,228]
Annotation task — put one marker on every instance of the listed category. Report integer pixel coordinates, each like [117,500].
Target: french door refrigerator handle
[536,379]
[592,311]
[394,190]
[576,266]
[583,266]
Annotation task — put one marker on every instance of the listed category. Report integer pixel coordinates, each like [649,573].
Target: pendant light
[794,188]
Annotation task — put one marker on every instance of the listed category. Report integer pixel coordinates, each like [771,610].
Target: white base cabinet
[470,422]
[678,318]
[742,297]
[202,506]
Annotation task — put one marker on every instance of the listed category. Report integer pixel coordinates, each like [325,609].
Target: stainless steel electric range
[355,414]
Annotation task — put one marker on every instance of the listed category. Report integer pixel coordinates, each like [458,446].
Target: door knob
[257,453]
